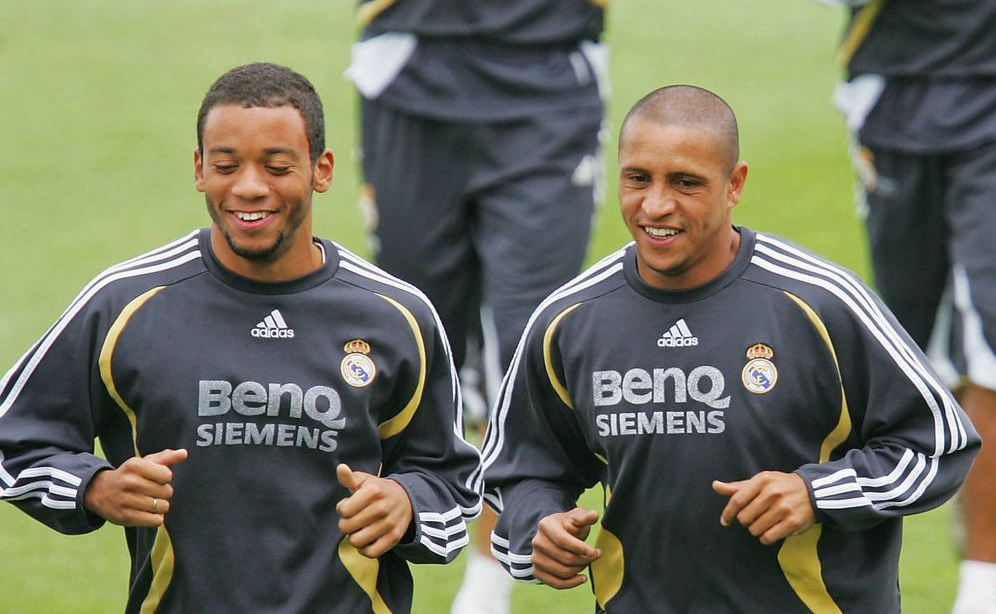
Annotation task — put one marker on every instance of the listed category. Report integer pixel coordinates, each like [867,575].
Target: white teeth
[660,232]
[252,216]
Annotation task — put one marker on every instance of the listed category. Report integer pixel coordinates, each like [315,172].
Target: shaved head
[690,107]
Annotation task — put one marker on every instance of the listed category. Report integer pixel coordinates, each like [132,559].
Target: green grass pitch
[97,107]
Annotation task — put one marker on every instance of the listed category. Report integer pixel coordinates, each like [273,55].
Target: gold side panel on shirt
[390,428]
[799,554]
[369,11]
[607,571]
[800,563]
[364,572]
[560,389]
[843,428]
[162,571]
[107,355]
[858,32]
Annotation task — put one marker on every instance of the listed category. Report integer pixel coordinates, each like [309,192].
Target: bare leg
[485,525]
[977,588]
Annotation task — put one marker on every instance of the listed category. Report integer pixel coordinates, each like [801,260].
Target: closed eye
[688,182]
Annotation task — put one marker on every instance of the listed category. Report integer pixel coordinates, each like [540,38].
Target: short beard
[265,255]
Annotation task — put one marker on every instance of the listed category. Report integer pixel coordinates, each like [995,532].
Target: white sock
[486,588]
[976,588]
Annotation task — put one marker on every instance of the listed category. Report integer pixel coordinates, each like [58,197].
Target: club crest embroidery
[357,368]
[759,374]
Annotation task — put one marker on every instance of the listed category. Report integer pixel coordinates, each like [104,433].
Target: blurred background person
[480,126]
[920,99]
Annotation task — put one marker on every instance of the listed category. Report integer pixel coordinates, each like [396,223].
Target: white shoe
[961,606]
[486,588]
[976,588]
[475,406]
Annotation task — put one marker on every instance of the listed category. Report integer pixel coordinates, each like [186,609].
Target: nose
[250,185]
[658,202]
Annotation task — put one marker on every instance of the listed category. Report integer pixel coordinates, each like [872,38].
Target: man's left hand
[772,505]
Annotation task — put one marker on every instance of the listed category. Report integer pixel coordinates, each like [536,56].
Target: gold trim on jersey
[161,558]
[364,572]
[558,387]
[799,557]
[369,11]
[608,570]
[162,571]
[391,427]
[861,25]
[107,355]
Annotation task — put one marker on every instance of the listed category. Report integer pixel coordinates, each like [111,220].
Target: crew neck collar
[330,263]
[730,274]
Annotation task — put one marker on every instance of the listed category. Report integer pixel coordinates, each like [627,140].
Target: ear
[736,187]
[198,171]
[321,176]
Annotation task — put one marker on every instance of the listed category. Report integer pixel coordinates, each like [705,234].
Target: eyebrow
[269,151]
[671,175]
[274,151]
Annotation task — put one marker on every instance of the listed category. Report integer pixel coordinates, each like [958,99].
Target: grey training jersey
[918,38]
[938,59]
[268,386]
[784,362]
[512,22]
[490,61]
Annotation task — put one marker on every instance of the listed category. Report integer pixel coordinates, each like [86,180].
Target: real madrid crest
[759,374]
[357,367]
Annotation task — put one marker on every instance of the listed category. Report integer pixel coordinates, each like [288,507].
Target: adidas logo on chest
[273,326]
[678,336]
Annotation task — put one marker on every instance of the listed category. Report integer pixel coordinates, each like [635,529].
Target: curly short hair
[262,84]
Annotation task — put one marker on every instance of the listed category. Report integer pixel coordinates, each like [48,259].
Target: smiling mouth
[251,216]
[660,233]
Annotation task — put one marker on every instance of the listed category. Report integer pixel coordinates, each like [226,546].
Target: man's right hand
[136,494]
[560,553]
